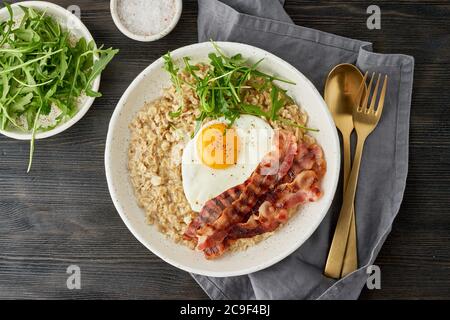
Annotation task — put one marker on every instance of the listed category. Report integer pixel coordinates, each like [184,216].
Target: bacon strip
[309,157]
[212,210]
[268,174]
[273,212]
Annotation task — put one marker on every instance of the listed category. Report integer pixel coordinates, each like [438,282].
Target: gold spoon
[341,90]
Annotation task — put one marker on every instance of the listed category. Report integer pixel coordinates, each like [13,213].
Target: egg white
[202,183]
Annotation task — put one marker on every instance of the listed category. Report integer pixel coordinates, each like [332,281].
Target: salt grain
[146,17]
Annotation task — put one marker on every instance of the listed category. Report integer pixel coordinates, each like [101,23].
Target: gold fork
[365,120]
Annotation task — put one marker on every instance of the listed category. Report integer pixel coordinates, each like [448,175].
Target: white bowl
[147,87]
[79,30]
[146,38]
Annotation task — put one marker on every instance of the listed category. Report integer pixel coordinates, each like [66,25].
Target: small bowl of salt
[146,20]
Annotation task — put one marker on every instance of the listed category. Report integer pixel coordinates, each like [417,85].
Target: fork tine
[374,96]
[361,89]
[382,97]
[366,98]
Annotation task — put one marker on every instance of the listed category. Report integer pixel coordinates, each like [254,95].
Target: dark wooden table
[61,213]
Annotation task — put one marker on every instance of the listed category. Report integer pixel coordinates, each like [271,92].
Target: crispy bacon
[274,211]
[212,210]
[267,175]
[309,157]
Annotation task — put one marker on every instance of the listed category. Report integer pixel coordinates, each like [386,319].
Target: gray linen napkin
[265,24]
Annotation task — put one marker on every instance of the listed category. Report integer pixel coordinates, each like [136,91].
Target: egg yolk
[217,146]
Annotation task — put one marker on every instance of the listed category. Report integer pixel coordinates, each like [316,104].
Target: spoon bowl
[341,90]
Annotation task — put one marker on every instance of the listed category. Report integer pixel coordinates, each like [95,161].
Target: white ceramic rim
[131,35]
[83,109]
[109,173]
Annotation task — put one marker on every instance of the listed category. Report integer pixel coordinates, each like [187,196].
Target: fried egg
[220,157]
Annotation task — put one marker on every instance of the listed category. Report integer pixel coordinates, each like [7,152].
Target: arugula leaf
[41,67]
[293,124]
[24,64]
[99,65]
[222,90]
[27,35]
[19,104]
[190,68]
[33,135]
[277,103]
[9,23]
[6,86]
[254,110]
[198,123]
[170,67]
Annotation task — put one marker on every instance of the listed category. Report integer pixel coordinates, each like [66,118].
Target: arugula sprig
[221,88]
[173,71]
[278,103]
[41,66]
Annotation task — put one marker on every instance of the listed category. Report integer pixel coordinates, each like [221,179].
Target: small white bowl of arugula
[50,70]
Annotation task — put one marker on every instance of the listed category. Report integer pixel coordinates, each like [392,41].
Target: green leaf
[277,103]
[175,114]
[19,105]
[53,26]
[99,65]
[237,59]
[198,123]
[10,23]
[190,68]
[63,66]
[92,93]
[254,110]
[5,86]
[296,125]
[30,113]
[13,68]
[27,35]
[46,108]
[33,135]
[170,67]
